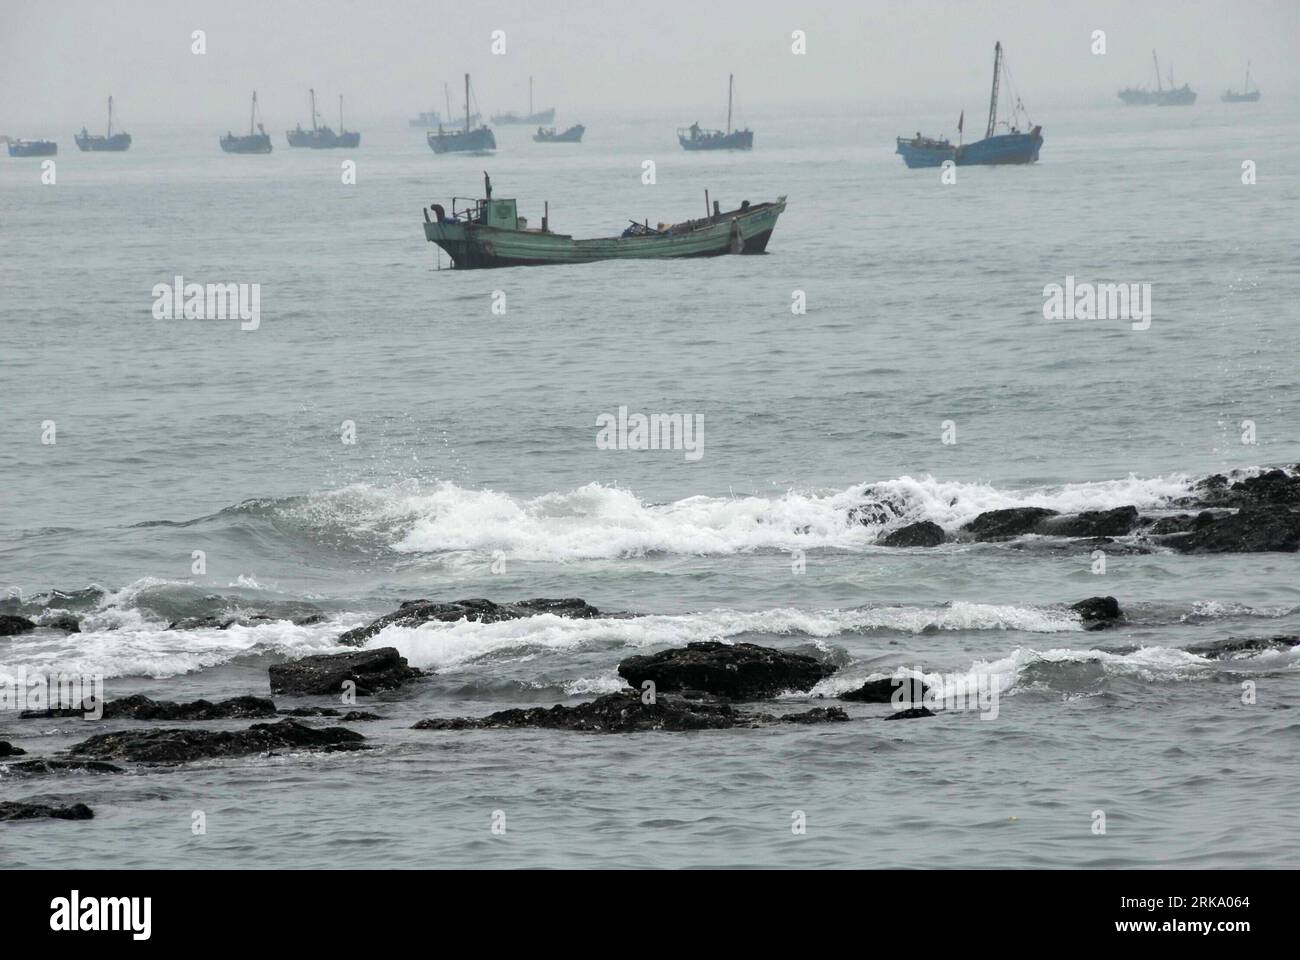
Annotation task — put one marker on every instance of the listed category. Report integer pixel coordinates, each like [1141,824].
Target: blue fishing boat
[257,141]
[696,138]
[112,142]
[470,140]
[32,148]
[1014,146]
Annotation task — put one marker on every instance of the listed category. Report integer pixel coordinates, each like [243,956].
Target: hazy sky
[60,58]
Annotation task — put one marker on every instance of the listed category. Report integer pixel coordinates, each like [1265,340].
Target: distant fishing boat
[257,141]
[490,233]
[541,117]
[432,119]
[112,142]
[572,135]
[1159,97]
[470,140]
[695,138]
[996,148]
[321,137]
[32,148]
[1247,95]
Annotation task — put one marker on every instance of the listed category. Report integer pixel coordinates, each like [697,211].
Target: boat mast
[110,109]
[1246,89]
[312,91]
[530,97]
[731,82]
[993,97]
[467,103]
[340,113]
[1157,64]
[446,95]
[252,114]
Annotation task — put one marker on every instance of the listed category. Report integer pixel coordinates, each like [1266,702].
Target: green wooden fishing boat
[490,233]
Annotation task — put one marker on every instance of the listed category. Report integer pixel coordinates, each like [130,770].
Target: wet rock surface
[1270,488]
[1098,613]
[27,810]
[11,625]
[1091,523]
[370,670]
[1005,524]
[738,671]
[183,745]
[626,712]
[7,749]
[1249,530]
[925,533]
[883,690]
[912,713]
[412,613]
[139,707]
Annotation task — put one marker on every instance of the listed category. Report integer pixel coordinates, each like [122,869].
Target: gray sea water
[476,472]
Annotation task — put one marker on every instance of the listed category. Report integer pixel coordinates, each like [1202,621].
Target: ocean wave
[597,521]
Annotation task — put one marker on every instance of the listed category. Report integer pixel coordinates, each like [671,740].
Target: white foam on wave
[447,646]
[596,521]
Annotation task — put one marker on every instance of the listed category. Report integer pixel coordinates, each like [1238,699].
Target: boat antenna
[993,97]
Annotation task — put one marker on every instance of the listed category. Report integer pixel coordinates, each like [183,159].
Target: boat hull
[1252,97]
[736,140]
[33,148]
[323,138]
[1182,97]
[474,246]
[256,143]
[541,118]
[572,135]
[1007,148]
[474,141]
[117,143]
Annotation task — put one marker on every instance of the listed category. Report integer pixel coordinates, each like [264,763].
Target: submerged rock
[882,691]
[11,625]
[7,749]
[1006,524]
[1234,647]
[740,671]
[625,712]
[1091,523]
[911,713]
[22,810]
[142,708]
[1184,522]
[64,621]
[1106,545]
[52,765]
[185,745]
[412,613]
[371,670]
[1098,613]
[924,533]
[1249,530]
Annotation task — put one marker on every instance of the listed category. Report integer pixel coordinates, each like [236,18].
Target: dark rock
[220,623]
[310,712]
[911,713]
[12,625]
[740,671]
[1271,488]
[1235,647]
[21,810]
[1249,530]
[142,708]
[1005,524]
[1106,545]
[925,533]
[624,712]
[371,670]
[1184,522]
[184,745]
[415,612]
[64,621]
[1098,613]
[882,691]
[356,716]
[51,765]
[7,749]
[1091,523]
